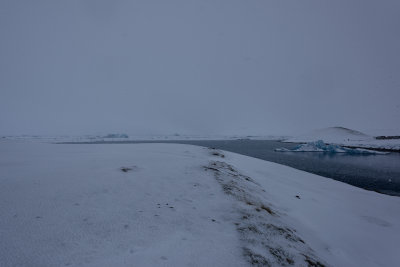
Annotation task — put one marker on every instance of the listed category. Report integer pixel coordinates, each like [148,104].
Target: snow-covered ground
[182,205]
[345,137]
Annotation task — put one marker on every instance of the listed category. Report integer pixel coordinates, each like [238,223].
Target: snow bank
[180,205]
[320,146]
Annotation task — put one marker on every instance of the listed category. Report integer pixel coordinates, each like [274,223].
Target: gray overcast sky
[198,67]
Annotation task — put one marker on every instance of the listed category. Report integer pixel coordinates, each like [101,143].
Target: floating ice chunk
[320,146]
[116,136]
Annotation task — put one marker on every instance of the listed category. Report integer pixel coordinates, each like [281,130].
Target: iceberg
[320,146]
[116,136]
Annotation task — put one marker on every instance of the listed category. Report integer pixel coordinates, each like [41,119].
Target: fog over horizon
[198,67]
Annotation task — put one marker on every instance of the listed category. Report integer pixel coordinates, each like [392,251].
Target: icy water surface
[380,173]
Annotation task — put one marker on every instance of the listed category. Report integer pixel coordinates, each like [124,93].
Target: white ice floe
[345,137]
[181,205]
[320,146]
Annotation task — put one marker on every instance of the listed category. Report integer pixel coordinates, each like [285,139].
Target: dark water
[380,173]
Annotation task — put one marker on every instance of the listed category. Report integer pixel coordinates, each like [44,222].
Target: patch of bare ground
[216,152]
[128,169]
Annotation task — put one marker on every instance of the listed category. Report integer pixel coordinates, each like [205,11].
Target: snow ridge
[266,240]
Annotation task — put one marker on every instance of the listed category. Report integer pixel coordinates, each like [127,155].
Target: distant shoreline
[175,141]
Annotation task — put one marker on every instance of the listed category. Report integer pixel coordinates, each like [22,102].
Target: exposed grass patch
[267,241]
[312,262]
[267,209]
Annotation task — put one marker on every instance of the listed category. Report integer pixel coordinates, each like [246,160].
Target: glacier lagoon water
[379,173]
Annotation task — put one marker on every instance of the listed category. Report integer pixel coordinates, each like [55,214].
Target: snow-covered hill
[181,205]
[331,135]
